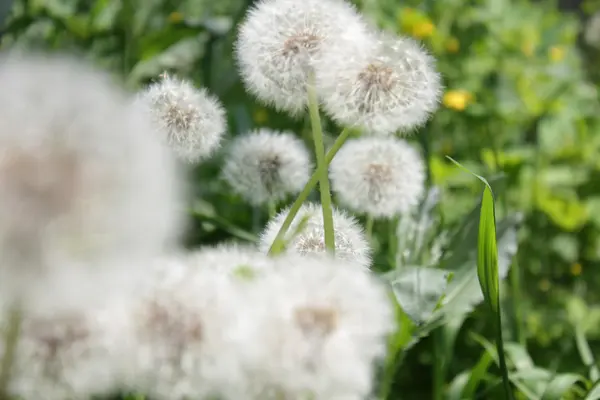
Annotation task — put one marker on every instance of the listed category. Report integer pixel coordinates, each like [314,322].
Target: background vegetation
[521,102]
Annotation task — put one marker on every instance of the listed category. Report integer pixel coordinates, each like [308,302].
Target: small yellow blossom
[545,285]
[261,116]
[457,99]
[576,269]
[557,53]
[452,45]
[175,17]
[423,29]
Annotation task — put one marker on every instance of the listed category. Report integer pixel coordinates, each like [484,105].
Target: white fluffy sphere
[267,166]
[350,241]
[389,84]
[86,184]
[193,119]
[379,176]
[279,41]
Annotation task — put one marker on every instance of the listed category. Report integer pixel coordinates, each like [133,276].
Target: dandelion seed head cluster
[350,241]
[84,180]
[389,85]
[267,166]
[193,119]
[280,40]
[379,176]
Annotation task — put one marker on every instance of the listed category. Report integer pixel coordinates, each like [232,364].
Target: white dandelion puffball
[379,176]
[193,119]
[267,166]
[350,241]
[68,356]
[279,41]
[184,334]
[389,85]
[84,181]
[321,327]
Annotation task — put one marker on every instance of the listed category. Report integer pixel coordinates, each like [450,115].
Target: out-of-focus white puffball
[267,166]
[378,176]
[87,188]
[193,119]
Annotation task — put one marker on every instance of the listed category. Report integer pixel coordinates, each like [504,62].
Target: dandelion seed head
[184,334]
[379,176]
[350,241]
[193,119]
[267,166]
[323,325]
[385,86]
[67,356]
[84,181]
[279,41]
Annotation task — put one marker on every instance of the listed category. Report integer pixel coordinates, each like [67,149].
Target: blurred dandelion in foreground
[84,182]
[309,238]
[67,356]
[280,40]
[266,166]
[379,176]
[184,334]
[389,85]
[321,325]
[193,119]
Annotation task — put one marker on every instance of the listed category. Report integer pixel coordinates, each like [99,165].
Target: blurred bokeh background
[521,99]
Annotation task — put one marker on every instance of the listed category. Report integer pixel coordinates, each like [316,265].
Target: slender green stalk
[317,130]
[272,208]
[439,360]
[369,227]
[10,339]
[310,185]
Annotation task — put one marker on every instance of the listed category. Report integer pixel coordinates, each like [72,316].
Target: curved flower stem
[317,130]
[10,339]
[277,244]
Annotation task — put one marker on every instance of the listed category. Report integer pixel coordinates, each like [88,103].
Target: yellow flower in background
[261,116]
[457,99]
[423,29]
[452,45]
[175,17]
[576,269]
[557,53]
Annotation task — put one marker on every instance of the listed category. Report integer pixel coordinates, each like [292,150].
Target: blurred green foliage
[521,100]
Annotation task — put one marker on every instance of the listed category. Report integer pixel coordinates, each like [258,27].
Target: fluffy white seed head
[67,356]
[84,181]
[193,119]
[267,166]
[321,325]
[379,176]
[309,238]
[280,40]
[184,332]
[388,85]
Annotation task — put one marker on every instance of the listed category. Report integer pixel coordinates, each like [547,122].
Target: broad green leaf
[464,386]
[418,290]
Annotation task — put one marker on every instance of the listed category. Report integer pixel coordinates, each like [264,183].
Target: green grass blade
[594,393]
[487,268]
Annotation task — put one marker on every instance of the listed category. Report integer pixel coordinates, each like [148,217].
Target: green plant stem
[310,185]
[10,342]
[317,130]
[438,364]
[272,208]
[369,227]
[501,356]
